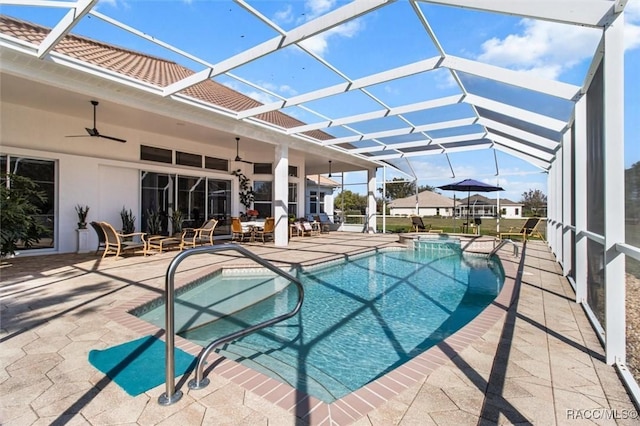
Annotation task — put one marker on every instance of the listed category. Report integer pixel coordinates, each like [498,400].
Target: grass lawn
[488,227]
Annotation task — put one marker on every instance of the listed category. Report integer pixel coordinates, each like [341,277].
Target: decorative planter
[83,241]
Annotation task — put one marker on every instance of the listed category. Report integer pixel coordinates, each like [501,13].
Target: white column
[614,272]
[580,198]
[281,195]
[567,143]
[559,205]
[551,205]
[371,201]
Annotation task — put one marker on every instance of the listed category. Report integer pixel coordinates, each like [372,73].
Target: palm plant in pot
[82,212]
[176,222]
[128,221]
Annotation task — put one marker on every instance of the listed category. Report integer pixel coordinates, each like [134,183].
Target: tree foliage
[632,193]
[348,200]
[533,202]
[399,188]
[18,198]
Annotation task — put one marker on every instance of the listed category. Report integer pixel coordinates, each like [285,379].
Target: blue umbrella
[470,185]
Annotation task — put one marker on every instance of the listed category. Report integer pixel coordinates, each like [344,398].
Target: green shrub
[17,210]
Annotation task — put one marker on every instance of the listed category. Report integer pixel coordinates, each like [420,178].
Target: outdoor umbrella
[469,185]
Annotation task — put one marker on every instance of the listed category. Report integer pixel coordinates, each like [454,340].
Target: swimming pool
[360,319]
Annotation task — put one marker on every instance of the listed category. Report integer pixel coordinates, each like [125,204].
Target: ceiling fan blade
[77,136]
[112,138]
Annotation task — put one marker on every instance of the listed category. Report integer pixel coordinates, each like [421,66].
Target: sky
[385,38]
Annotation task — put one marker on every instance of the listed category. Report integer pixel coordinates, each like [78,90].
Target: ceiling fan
[238,153]
[93,132]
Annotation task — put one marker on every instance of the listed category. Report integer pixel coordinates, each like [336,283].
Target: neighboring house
[427,203]
[319,195]
[481,206]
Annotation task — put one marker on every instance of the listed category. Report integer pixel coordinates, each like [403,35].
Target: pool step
[278,364]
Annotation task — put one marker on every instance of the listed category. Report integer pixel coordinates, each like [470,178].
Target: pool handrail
[171,396]
[503,243]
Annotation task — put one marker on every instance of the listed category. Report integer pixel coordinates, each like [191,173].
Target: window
[293,171]
[198,198]
[262,169]
[517,211]
[159,155]
[216,164]
[157,196]
[313,202]
[321,206]
[263,198]
[42,173]
[293,199]
[186,159]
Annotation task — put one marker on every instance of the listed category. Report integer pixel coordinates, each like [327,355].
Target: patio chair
[528,230]
[419,226]
[304,228]
[204,235]
[266,231]
[325,223]
[238,232]
[101,237]
[309,229]
[118,243]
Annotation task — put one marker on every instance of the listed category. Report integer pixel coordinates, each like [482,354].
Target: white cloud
[316,8]
[541,48]
[548,49]
[319,44]
[632,25]
[284,16]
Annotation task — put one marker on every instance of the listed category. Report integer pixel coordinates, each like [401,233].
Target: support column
[281,196]
[614,232]
[580,197]
[371,201]
[567,172]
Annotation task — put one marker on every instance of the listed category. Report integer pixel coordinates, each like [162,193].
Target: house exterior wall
[104,174]
[422,211]
[511,212]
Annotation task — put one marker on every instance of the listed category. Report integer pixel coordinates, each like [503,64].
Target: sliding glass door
[198,198]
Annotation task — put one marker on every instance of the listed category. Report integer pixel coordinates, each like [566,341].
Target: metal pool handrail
[170,396]
[502,243]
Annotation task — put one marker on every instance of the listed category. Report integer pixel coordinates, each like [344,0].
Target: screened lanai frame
[584,149]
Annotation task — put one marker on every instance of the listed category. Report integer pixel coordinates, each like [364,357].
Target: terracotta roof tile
[150,69]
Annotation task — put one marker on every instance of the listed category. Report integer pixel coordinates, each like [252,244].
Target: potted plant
[176,222]
[252,214]
[154,222]
[128,221]
[82,212]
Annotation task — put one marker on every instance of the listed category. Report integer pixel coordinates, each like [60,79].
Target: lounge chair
[101,238]
[238,232]
[266,231]
[304,228]
[204,235]
[419,226]
[528,230]
[325,223]
[118,243]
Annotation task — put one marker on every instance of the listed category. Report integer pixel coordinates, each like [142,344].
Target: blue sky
[382,39]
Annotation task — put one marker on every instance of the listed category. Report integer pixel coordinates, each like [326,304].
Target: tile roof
[323,180]
[149,69]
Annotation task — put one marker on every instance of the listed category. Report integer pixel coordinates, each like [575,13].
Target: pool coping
[356,405]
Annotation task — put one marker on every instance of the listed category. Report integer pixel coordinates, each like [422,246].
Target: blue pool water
[359,320]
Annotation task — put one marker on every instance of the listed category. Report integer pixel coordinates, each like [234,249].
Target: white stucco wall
[104,174]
